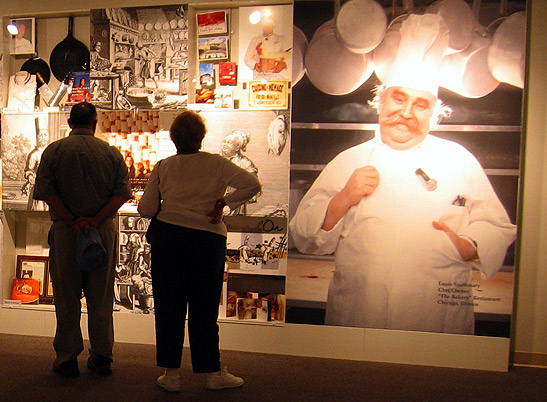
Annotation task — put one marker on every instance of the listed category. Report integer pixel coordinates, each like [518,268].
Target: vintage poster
[78,90]
[24,138]
[213,48]
[212,23]
[269,94]
[139,57]
[419,247]
[133,278]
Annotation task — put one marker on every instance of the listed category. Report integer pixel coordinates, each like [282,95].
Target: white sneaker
[169,383]
[223,379]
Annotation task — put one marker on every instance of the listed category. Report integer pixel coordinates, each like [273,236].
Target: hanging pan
[361,25]
[69,55]
[36,65]
[331,67]
[39,67]
[507,54]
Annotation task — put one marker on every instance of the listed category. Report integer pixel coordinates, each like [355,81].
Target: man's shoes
[169,383]
[223,379]
[68,368]
[99,364]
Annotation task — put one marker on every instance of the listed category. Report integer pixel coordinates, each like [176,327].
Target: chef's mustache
[398,119]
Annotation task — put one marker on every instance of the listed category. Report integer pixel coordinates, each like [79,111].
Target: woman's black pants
[187,274]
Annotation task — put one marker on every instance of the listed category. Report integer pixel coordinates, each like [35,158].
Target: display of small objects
[125,121]
[133,133]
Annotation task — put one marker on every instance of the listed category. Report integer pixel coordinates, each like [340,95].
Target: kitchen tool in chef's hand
[69,55]
[430,183]
[36,65]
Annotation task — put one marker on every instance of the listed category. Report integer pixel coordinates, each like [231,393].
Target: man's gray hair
[441,110]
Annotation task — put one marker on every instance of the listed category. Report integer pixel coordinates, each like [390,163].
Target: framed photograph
[213,48]
[24,41]
[212,23]
[35,267]
[207,75]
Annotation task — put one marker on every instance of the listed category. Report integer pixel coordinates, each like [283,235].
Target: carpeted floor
[26,375]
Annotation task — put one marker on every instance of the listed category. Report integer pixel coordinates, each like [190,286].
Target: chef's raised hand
[361,183]
[467,250]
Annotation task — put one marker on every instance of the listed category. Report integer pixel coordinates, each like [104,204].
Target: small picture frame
[212,23]
[24,41]
[207,75]
[36,267]
[213,48]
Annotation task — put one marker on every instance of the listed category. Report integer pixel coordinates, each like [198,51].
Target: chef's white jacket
[393,268]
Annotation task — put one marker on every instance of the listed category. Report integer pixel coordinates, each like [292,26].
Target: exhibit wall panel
[530,318]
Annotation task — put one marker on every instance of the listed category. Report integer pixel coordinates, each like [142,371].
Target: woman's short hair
[187,132]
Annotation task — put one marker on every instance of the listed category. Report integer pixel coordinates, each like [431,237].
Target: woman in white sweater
[185,199]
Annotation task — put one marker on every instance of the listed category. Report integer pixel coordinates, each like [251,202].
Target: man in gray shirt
[84,181]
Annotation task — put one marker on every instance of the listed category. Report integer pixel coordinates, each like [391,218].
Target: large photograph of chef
[407,215]
[265,42]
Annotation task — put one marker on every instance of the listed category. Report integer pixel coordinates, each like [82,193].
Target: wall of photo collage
[146,64]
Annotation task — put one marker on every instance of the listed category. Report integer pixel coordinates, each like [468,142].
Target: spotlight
[254,18]
[12,29]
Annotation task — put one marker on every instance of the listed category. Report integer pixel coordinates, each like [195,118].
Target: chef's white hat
[424,39]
